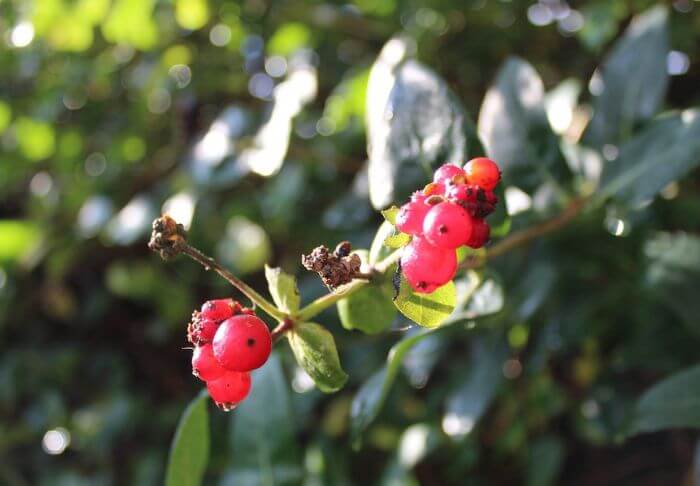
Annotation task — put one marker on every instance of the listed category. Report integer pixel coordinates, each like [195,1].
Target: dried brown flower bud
[168,237]
[335,269]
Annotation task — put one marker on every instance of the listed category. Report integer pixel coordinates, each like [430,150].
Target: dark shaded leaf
[315,351]
[189,452]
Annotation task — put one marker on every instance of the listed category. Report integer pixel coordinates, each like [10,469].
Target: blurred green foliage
[247,121]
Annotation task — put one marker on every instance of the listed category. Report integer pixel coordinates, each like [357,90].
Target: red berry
[218,310]
[427,267]
[201,331]
[242,343]
[204,365]
[480,234]
[483,172]
[229,389]
[447,225]
[447,172]
[462,192]
[411,215]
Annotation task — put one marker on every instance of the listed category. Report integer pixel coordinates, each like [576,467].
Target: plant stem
[281,328]
[524,236]
[210,264]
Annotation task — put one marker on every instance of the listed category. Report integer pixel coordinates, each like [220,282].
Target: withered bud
[335,269]
[168,237]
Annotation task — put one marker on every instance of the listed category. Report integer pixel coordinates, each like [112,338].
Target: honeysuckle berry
[483,172]
[204,364]
[480,234]
[447,172]
[411,215]
[427,267]
[201,331]
[219,309]
[447,226]
[242,343]
[229,389]
[463,192]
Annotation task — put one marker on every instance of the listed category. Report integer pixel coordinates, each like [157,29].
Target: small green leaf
[315,351]
[189,452]
[390,214]
[672,403]
[379,250]
[369,310]
[397,241]
[283,288]
[428,310]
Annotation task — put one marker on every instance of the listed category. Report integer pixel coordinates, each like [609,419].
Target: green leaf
[672,403]
[408,105]
[372,394]
[283,288]
[666,150]
[545,460]
[631,83]
[262,438]
[427,310]
[315,351]
[18,238]
[514,128]
[390,214]
[467,403]
[397,241]
[673,272]
[189,451]
[379,249]
[370,309]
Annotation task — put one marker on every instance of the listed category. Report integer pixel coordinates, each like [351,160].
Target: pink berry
[229,389]
[411,215]
[427,267]
[204,365]
[462,192]
[218,310]
[447,225]
[201,331]
[447,172]
[483,172]
[242,343]
[480,234]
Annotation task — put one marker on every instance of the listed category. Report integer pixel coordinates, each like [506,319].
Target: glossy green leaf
[631,83]
[468,401]
[370,309]
[672,403]
[665,151]
[315,351]
[283,288]
[386,233]
[189,451]
[407,105]
[372,394]
[263,445]
[427,310]
[390,214]
[514,128]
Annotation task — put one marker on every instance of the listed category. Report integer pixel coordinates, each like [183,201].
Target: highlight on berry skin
[447,214]
[229,341]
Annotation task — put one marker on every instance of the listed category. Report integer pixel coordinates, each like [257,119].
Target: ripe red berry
[483,172]
[242,343]
[480,234]
[447,225]
[204,365]
[411,215]
[427,267]
[462,192]
[229,389]
[218,310]
[201,331]
[447,172]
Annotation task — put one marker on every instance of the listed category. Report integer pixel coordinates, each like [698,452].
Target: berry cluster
[230,341]
[446,214]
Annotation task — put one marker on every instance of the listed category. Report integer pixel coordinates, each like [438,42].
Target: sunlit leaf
[315,351]
[666,150]
[288,38]
[189,451]
[18,238]
[631,83]
[428,310]
[370,309]
[191,14]
[283,288]
[36,140]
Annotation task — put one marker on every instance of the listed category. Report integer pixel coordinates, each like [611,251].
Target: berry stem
[525,236]
[210,264]
[284,326]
